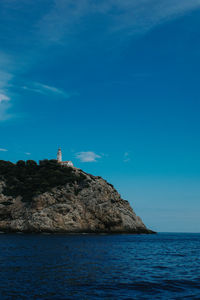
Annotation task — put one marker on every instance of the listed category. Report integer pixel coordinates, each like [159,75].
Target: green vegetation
[29,179]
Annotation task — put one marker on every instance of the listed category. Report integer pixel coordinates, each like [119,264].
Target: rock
[88,206]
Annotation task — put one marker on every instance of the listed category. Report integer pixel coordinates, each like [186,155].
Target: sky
[115,84]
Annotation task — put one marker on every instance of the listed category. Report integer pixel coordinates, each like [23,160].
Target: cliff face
[87,205]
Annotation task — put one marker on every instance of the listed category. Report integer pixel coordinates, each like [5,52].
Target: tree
[31,163]
[21,163]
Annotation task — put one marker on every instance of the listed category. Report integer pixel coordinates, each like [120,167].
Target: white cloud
[4,106]
[46,89]
[3,150]
[126,157]
[3,97]
[5,77]
[4,115]
[65,18]
[27,153]
[50,88]
[87,156]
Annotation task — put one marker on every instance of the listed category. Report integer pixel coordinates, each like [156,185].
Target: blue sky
[116,85]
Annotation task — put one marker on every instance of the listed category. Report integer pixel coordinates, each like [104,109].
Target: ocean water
[162,266]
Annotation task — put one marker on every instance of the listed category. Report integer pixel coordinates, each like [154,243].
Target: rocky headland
[57,199]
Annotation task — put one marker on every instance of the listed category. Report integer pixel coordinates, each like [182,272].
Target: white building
[63,163]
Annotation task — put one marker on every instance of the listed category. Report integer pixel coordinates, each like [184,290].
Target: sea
[85,266]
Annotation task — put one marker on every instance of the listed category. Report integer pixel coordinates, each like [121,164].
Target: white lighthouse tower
[63,163]
[59,155]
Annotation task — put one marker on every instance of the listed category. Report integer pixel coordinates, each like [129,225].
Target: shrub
[29,179]
[21,163]
[31,163]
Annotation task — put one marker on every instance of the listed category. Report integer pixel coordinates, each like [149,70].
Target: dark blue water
[162,266]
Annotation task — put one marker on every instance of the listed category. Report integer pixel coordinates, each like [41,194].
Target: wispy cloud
[88,156]
[4,106]
[5,78]
[66,22]
[27,153]
[3,97]
[129,17]
[46,89]
[3,150]
[126,157]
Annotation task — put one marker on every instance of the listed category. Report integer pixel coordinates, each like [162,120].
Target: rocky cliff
[51,198]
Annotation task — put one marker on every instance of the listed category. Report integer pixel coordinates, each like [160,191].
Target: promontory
[49,197]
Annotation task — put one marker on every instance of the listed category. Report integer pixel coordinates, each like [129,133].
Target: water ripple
[162,266]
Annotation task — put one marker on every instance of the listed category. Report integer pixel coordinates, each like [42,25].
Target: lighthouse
[59,155]
[67,163]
